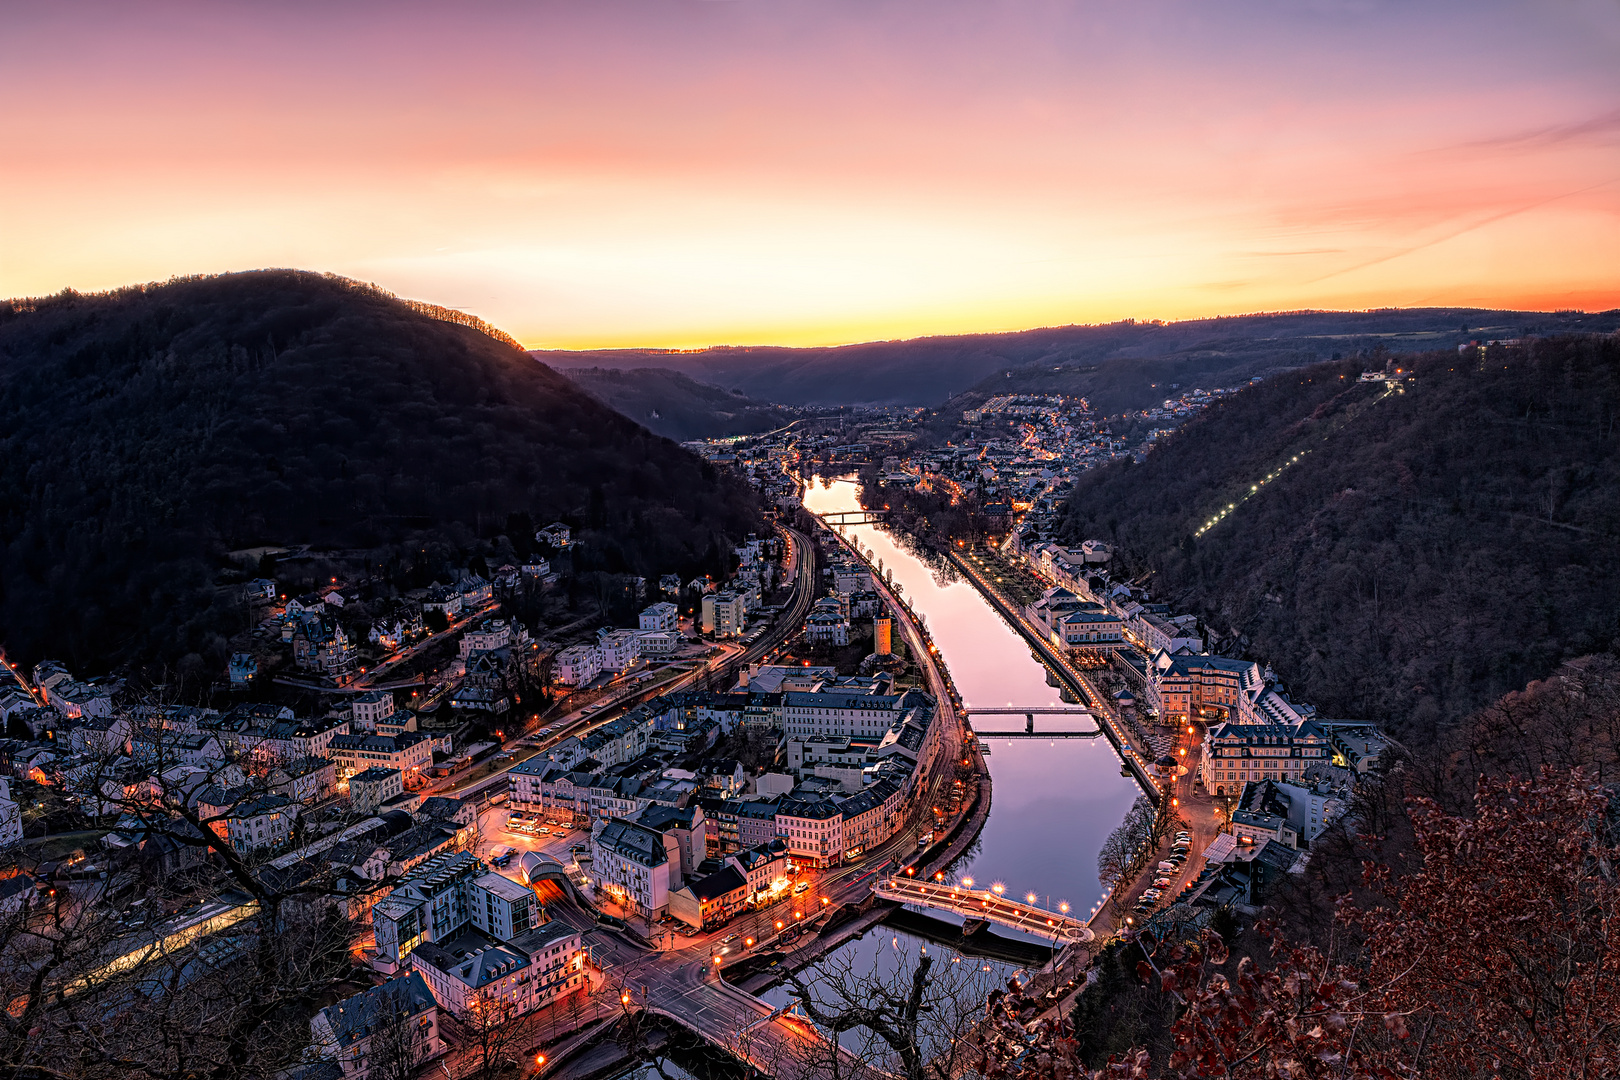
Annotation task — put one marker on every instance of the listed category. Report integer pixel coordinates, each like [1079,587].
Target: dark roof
[726,881]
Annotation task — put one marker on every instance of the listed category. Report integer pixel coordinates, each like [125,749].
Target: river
[1054,801]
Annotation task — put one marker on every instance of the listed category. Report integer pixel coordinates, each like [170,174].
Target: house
[657,644]
[634,866]
[372,787]
[576,665]
[443,599]
[491,634]
[556,534]
[246,819]
[308,604]
[711,900]
[813,830]
[243,669]
[723,613]
[1235,754]
[620,649]
[392,1028]
[536,568]
[659,616]
[826,628]
[260,589]
[410,752]
[474,591]
[670,584]
[305,780]
[11,828]
[75,699]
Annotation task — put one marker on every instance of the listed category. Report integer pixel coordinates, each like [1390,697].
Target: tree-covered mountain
[146,432]
[928,371]
[1404,553]
[670,404]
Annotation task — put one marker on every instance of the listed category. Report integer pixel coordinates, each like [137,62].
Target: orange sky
[699,171]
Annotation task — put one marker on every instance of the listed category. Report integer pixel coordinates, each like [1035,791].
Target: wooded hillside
[1433,547]
[146,432]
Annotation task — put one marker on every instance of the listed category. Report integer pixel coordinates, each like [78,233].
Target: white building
[724,613]
[660,616]
[577,665]
[620,650]
[531,971]
[410,752]
[657,644]
[634,866]
[370,707]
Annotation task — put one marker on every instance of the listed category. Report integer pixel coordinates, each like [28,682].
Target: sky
[596,173]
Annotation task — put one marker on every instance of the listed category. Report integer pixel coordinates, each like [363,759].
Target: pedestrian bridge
[1029,713]
[985,904]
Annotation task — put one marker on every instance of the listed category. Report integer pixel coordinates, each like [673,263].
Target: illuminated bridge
[1029,713]
[985,904]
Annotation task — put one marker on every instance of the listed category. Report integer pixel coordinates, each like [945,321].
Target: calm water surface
[1054,801]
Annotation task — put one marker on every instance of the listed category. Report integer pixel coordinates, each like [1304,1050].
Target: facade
[393,1028]
[814,831]
[577,665]
[635,866]
[620,649]
[410,753]
[368,708]
[531,971]
[1235,754]
[660,616]
[724,613]
[1184,686]
[442,896]
[373,787]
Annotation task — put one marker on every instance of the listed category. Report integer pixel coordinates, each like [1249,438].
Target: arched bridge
[987,905]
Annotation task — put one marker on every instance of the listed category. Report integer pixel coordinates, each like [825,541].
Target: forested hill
[1432,547]
[1115,363]
[146,432]
[670,404]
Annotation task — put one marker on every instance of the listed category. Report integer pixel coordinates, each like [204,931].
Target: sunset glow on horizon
[692,172]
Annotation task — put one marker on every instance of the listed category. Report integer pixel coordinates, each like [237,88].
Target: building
[826,628]
[247,820]
[368,708]
[410,752]
[813,830]
[1236,754]
[492,634]
[442,896]
[392,1028]
[634,866]
[712,900]
[724,613]
[530,971]
[657,644]
[576,665]
[882,636]
[620,649]
[373,787]
[243,669]
[1183,686]
[660,616]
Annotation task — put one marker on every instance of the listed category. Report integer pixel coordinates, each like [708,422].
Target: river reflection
[1054,801]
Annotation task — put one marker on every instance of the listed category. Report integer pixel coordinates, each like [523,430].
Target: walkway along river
[1055,800]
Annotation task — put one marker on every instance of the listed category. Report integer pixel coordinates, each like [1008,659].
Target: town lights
[624,999]
[779,924]
[1030,898]
[968,882]
[1064,907]
[998,888]
[539,1060]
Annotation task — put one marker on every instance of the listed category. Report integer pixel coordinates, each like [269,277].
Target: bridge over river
[988,905]
[1029,713]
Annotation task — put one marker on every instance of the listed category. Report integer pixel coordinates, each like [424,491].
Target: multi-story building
[368,708]
[1235,754]
[1185,686]
[814,831]
[833,711]
[657,644]
[442,896]
[530,971]
[576,665]
[410,752]
[372,787]
[635,866]
[724,613]
[660,616]
[401,1016]
[620,649]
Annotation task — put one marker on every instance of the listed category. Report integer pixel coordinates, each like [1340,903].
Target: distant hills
[1403,555]
[146,432]
[670,404]
[1128,356]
